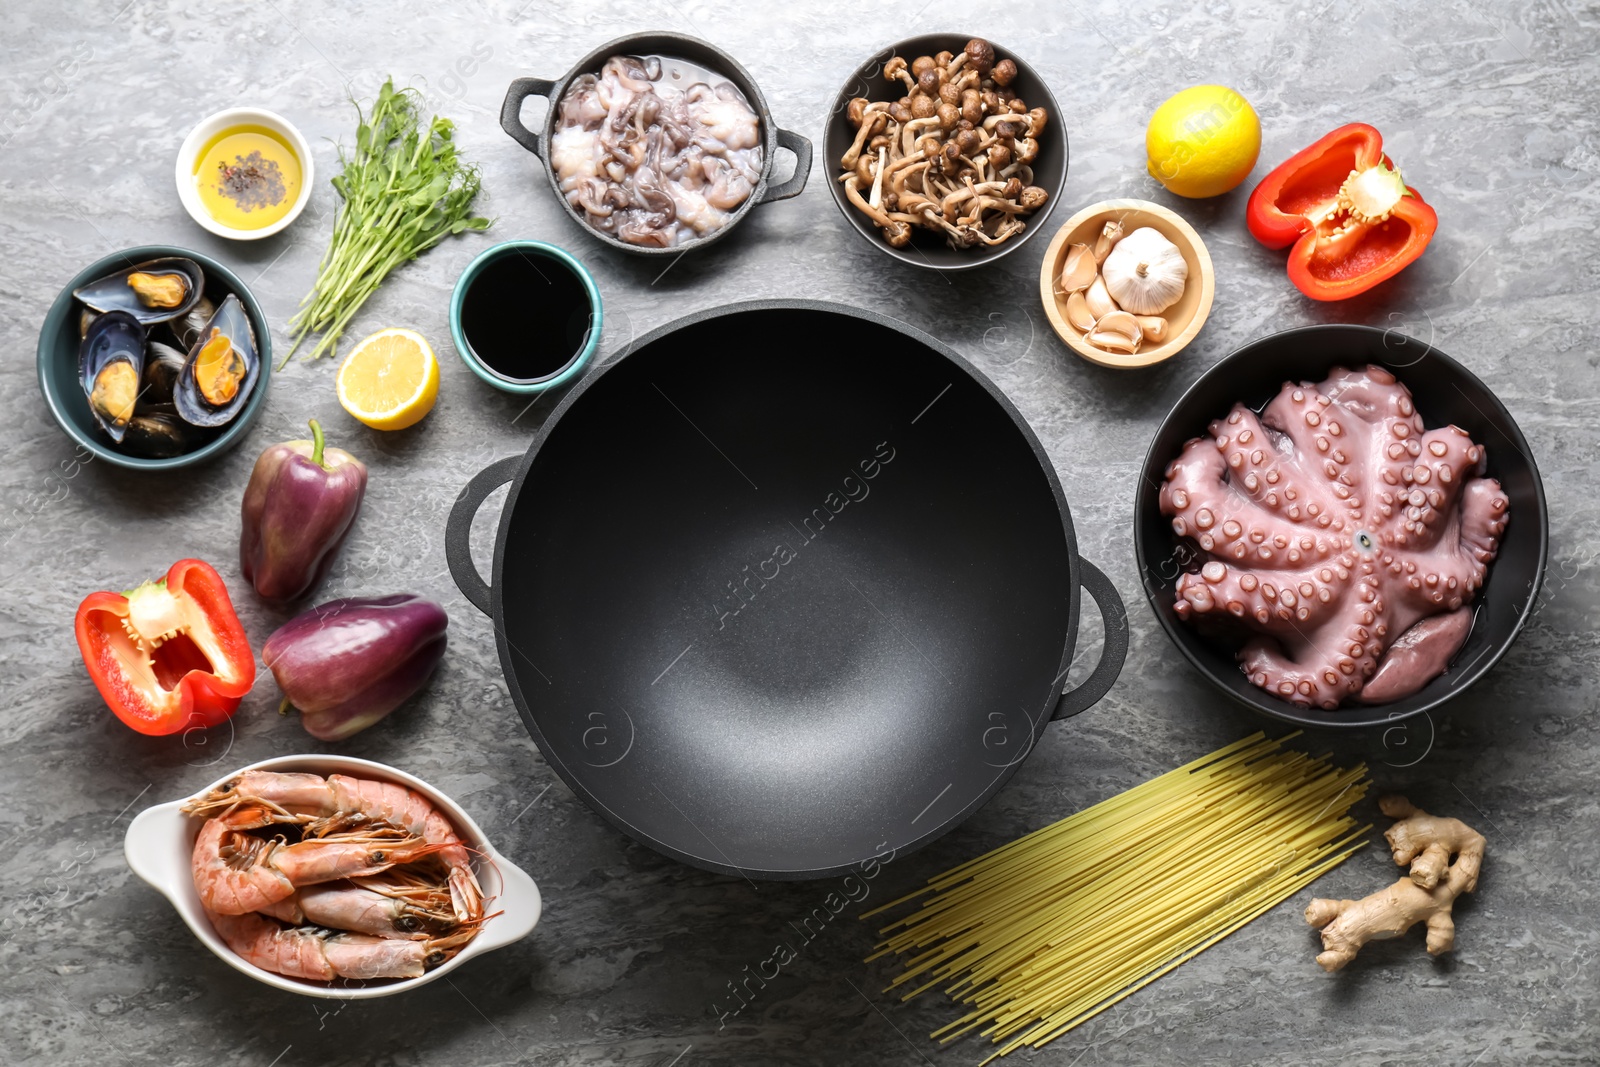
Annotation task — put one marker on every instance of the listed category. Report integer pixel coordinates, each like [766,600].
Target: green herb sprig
[405,189]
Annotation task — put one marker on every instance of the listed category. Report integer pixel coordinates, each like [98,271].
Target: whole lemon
[1203,141]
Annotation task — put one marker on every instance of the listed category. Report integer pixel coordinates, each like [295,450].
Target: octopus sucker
[1369,607]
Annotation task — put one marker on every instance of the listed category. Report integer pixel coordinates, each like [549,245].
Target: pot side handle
[458,530]
[511,111]
[1114,615]
[801,147]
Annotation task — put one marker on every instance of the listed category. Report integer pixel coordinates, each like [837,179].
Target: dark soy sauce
[526,316]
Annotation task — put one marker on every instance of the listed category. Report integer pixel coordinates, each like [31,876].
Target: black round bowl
[928,249]
[681,46]
[58,362]
[1445,393]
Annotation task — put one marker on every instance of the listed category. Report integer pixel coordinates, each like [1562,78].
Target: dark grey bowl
[58,361]
[1446,392]
[684,47]
[928,249]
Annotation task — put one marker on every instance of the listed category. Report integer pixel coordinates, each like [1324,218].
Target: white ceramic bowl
[161,840]
[215,124]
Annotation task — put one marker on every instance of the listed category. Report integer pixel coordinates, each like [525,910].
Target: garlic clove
[1099,299]
[1153,327]
[1145,273]
[1117,331]
[1078,272]
[1109,236]
[1078,313]
[1113,342]
[1120,324]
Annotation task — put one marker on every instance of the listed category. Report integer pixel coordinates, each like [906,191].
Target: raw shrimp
[340,799]
[312,952]
[371,906]
[236,873]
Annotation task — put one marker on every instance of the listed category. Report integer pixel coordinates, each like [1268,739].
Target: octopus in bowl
[655,151]
[1345,538]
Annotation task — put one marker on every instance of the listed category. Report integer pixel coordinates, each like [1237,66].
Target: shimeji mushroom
[954,154]
[894,230]
[870,118]
[896,68]
[980,55]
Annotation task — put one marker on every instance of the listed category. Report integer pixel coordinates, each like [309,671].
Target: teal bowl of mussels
[155,358]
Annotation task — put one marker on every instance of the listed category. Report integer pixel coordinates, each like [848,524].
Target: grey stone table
[1490,107]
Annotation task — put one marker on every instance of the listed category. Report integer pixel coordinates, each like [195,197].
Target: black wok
[787,587]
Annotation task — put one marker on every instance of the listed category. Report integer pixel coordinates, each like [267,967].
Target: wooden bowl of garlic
[1126,283]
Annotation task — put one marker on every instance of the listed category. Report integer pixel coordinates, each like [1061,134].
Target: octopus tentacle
[1325,665]
[1484,512]
[1229,494]
[1318,436]
[1453,570]
[1306,597]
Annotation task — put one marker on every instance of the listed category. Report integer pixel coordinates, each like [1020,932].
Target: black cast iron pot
[680,46]
[787,587]
[1445,393]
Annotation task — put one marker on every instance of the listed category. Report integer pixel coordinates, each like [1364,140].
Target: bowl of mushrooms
[1126,283]
[947,151]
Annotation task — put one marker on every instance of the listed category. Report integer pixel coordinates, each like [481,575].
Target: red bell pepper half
[169,655]
[1352,219]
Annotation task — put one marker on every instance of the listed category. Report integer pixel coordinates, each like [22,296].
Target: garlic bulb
[1145,273]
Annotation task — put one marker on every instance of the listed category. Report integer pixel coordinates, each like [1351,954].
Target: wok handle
[511,111]
[801,147]
[458,530]
[1112,656]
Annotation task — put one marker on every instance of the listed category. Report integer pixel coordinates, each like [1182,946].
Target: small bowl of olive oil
[244,173]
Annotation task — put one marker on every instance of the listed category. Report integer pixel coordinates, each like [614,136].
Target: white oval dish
[161,840]
[208,128]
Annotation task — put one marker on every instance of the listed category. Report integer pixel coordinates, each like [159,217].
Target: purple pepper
[298,508]
[348,663]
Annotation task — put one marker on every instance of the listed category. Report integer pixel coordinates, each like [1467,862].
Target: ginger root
[1427,894]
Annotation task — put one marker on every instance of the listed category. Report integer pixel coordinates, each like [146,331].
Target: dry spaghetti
[1044,933]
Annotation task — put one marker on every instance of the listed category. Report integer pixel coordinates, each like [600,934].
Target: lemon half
[390,380]
[1203,141]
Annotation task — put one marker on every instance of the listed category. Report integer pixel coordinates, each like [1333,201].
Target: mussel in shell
[187,328]
[110,365]
[160,435]
[154,291]
[163,366]
[221,370]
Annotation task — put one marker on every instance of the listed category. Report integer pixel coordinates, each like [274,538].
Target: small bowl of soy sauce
[525,316]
